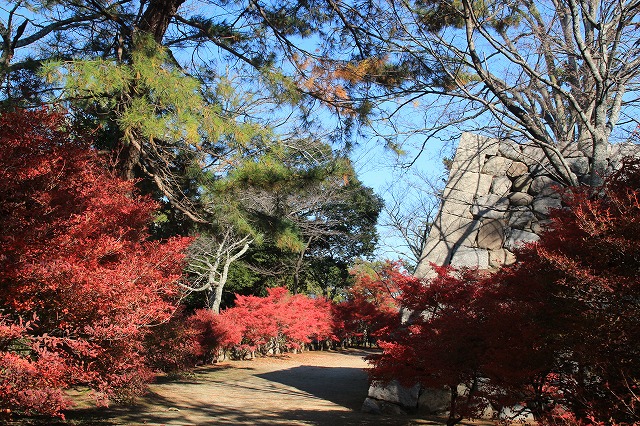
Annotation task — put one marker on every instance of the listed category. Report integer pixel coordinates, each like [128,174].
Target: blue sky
[380,169]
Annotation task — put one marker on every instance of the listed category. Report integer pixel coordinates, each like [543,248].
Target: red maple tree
[372,305]
[557,333]
[80,285]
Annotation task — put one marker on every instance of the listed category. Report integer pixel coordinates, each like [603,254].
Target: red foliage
[278,322]
[185,341]
[75,258]
[371,307]
[558,332]
[33,384]
[585,286]
[442,344]
[209,334]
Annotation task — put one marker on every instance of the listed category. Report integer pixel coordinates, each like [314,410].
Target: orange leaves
[332,80]
[358,71]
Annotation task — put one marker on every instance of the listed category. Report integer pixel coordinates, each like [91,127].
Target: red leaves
[75,255]
[372,306]
[558,332]
[33,386]
[278,322]
[273,324]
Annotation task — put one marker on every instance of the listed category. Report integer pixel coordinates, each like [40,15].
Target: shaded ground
[313,388]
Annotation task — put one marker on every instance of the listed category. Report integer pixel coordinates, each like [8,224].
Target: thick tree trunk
[216,292]
[129,158]
[154,21]
[157,16]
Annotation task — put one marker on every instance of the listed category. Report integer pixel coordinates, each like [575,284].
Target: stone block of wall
[495,182]
[470,257]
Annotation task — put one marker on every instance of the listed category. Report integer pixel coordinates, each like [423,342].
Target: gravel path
[313,388]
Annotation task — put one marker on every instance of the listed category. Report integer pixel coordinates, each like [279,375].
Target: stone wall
[497,197]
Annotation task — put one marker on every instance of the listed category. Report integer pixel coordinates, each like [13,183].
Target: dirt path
[313,388]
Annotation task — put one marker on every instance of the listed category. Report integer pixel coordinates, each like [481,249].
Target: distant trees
[411,204]
[556,332]
[313,216]
[80,285]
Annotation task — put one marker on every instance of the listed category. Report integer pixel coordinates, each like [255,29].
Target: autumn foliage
[273,324]
[255,326]
[87,299]
[371,307]
[282,322]
[81,287]
[557,333]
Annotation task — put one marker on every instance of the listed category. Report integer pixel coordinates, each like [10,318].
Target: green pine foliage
[152,97]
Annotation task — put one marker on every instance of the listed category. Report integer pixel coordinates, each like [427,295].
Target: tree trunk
[298,267]
[453,417]
[154,21]
[599,159]
[217,298]
[129,158]
[157,16]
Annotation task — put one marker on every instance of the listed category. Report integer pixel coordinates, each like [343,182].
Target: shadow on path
[341,385]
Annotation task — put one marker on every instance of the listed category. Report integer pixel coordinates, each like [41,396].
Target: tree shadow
[158,410]
[343,386]
[197,374]
[301,395]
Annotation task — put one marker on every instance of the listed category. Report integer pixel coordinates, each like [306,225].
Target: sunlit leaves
[75,264]
[556,333]
[278,322]
[152,96]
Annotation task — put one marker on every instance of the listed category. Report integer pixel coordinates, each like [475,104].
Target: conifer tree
[315,217]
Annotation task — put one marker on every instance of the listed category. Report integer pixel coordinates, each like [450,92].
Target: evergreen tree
[315,217]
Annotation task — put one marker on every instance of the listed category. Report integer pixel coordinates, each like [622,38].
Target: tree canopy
[555,74]
[313,216]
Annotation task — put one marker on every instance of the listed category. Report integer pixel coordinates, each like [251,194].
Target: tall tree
[135,73]
[159,124]
[309,208]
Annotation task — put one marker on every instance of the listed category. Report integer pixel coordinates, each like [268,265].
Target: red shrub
[557,332]
[275,323]
[74,256]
